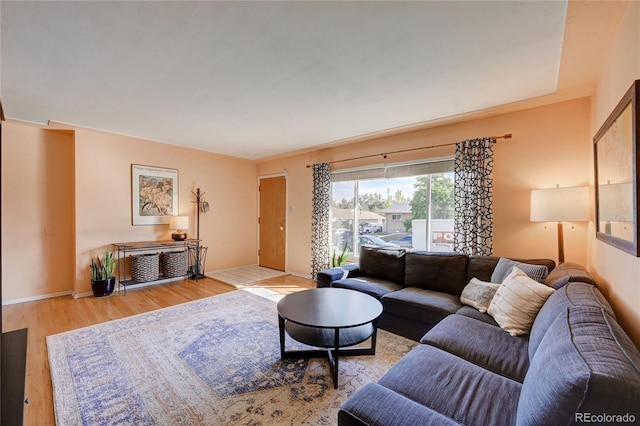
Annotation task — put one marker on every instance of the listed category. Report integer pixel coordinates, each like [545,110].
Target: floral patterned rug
[214,361]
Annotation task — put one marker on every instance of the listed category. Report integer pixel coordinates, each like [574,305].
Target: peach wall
[37,212]
[618,273]
[66,196]
[550,146]
[103,199]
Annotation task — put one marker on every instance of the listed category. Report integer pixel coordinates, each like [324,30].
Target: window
[403,205]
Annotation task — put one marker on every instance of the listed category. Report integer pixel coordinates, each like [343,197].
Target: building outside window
[403,205]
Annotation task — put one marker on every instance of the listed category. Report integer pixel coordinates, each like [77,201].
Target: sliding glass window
[401,205]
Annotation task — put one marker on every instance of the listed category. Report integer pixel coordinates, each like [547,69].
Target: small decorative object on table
[103,274]
[180,224]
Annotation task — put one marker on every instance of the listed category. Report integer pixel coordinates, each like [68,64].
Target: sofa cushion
[505,266]
[584,364]
[571,295]
[443,272]
[470,312]
[387,264]
[517,302]
[478,294]
[559,283]
[569,272]
[375,287]
[364,408]
[484,345]
[481,267]
[420,304]
[454,387]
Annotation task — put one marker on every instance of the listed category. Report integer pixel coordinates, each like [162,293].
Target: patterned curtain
[473,194]
[320,246]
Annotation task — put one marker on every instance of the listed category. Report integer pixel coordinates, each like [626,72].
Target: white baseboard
[40,297]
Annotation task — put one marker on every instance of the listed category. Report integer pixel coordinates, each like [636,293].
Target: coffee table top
[329,308]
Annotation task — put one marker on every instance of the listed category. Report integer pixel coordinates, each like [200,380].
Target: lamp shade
[179,222]
[560,204]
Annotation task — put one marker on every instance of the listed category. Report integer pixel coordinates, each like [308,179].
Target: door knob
[282,228]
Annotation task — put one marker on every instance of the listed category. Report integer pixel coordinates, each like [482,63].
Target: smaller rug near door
[244,275]
[214,361]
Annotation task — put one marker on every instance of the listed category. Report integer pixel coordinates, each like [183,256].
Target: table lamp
[180,224]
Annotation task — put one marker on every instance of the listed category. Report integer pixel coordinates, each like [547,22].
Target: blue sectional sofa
[575,366]
[417,289]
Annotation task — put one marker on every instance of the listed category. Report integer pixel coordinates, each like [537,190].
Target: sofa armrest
[326,277]
[568,272]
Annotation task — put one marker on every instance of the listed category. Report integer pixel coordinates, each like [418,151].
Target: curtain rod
[384,154]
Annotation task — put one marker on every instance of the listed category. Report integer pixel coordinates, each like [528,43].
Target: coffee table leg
[281,329]
[374,337]
[333,355]
[337,350]
[331,352]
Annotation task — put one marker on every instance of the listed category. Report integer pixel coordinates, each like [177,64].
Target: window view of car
[410,212]
[375,241]
[406,241]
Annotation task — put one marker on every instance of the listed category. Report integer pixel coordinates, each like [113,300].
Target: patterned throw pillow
[479,294]
[505,267]
[517,302]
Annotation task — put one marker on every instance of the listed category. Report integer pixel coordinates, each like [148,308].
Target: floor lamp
[560,205]
[197,264]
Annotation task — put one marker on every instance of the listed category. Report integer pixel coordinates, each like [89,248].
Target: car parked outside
[368,228]
[371,240]
[406,241]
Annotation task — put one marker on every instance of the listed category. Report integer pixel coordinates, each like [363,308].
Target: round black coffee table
[331,318]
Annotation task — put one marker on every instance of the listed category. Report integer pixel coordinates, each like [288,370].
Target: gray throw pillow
[505,267]
[478,294]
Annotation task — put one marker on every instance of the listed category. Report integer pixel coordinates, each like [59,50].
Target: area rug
[214,361]
[244,275]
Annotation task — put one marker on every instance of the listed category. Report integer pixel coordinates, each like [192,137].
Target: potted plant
[103,277]
[340,259]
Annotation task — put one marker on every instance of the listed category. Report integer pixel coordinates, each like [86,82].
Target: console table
[149,247]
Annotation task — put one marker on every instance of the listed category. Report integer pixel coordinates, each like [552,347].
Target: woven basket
[144,267]
[174,263]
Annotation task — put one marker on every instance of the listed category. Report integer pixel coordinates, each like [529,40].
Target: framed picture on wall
[616,175]
[154,194]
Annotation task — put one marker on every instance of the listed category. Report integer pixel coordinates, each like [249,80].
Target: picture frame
[154,194]
[616,175]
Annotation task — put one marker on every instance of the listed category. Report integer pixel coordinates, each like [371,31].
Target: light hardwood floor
[60,314]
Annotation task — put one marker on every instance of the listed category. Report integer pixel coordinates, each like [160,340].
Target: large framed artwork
[154,194]
[616,175]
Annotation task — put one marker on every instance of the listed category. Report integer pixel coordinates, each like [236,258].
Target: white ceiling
[256,79]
